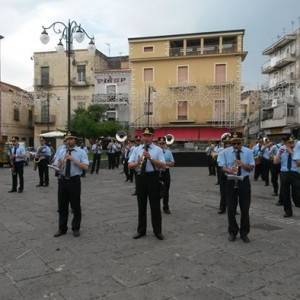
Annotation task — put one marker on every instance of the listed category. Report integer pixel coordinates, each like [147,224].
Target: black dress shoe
[20,191]
[59,233]
[12,191]
[231,238]
[138,235]
[288,215]
[245,239]
[159,236]
[167,211]
[221,211]
[76,233]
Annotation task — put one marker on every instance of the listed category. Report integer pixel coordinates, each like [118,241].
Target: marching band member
[71,161]
[147,159]
[266,162]
[138,142]
[43,156]
[238,160]
[111,151]
[165,173]
[211,164]
[97,150]
[289,175]
[222,207]
[17,160]
[257,157]
[275,170]
[217,149]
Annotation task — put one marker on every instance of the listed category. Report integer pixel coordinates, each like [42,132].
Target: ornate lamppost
[68,32]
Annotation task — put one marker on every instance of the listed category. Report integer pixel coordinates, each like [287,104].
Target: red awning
[189,133]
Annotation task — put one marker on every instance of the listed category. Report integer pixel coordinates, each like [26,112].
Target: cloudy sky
[115,20]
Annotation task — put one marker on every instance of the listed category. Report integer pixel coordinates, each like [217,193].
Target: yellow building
[187,85]
[16,114]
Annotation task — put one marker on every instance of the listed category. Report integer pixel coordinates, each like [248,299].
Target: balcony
[193,50]
[181,86]
[81,83]
[211,49]
[281,81]
[44,83]
[176,51]
[229,48]
[38,119]
[278,62]
[117,99]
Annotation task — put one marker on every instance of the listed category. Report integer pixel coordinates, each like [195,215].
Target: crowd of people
[232,163]
[147,162]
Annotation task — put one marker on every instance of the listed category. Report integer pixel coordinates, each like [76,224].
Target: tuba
[121,136]
[170,139]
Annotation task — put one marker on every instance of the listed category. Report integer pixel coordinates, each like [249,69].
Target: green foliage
[89,123]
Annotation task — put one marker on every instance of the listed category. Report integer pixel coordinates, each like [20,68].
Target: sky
[113,21]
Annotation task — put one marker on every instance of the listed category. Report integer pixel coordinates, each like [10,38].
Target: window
[292,90]
[30,116]
[148,108]
[81,73]
[16,114]
[148,74]
[111,89]
[220,73]
[290,111]
[219,110]
[111,115]
[81,105]
[182,110]
[44,76]
[183,74]
[44,113]
[148,49]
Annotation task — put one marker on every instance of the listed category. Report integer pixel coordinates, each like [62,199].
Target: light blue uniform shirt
[77,154]
[227,158]
[266,152]
[168,156]
[156,153]
[19,152]
[44,151]
[274,150]
[284,160]
[256,151]
[297,154]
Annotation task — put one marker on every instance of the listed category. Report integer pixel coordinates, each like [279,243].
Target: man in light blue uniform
[71,161]
[275,170]
[289,175]
[17,159]
[258,158]
[165,174]
[43,155]
[147,159]
[266,162]
[237,160]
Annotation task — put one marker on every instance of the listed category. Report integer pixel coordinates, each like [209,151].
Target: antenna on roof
[293,25]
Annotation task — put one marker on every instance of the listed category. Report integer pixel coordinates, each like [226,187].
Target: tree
[90,123]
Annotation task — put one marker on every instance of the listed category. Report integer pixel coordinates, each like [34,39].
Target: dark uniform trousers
[211,166]
[18,171]
[289,181]
[44,171]
[223,179]
[165,175]
[258,170]
[275,171]
[241,195]
[148,187]
[69,191]
[111,160]
[96,162]
[266,165]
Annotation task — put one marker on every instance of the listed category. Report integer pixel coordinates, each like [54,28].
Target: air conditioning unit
[274,102]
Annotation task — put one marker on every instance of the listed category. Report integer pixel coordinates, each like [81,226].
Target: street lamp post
[68,32]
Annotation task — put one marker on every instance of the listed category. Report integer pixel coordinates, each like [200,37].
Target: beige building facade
[187,85]
[16,114]
[51,85]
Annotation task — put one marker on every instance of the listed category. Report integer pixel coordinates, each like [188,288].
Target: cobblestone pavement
[194,262]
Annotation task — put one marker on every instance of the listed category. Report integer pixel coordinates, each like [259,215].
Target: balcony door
[219,110]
